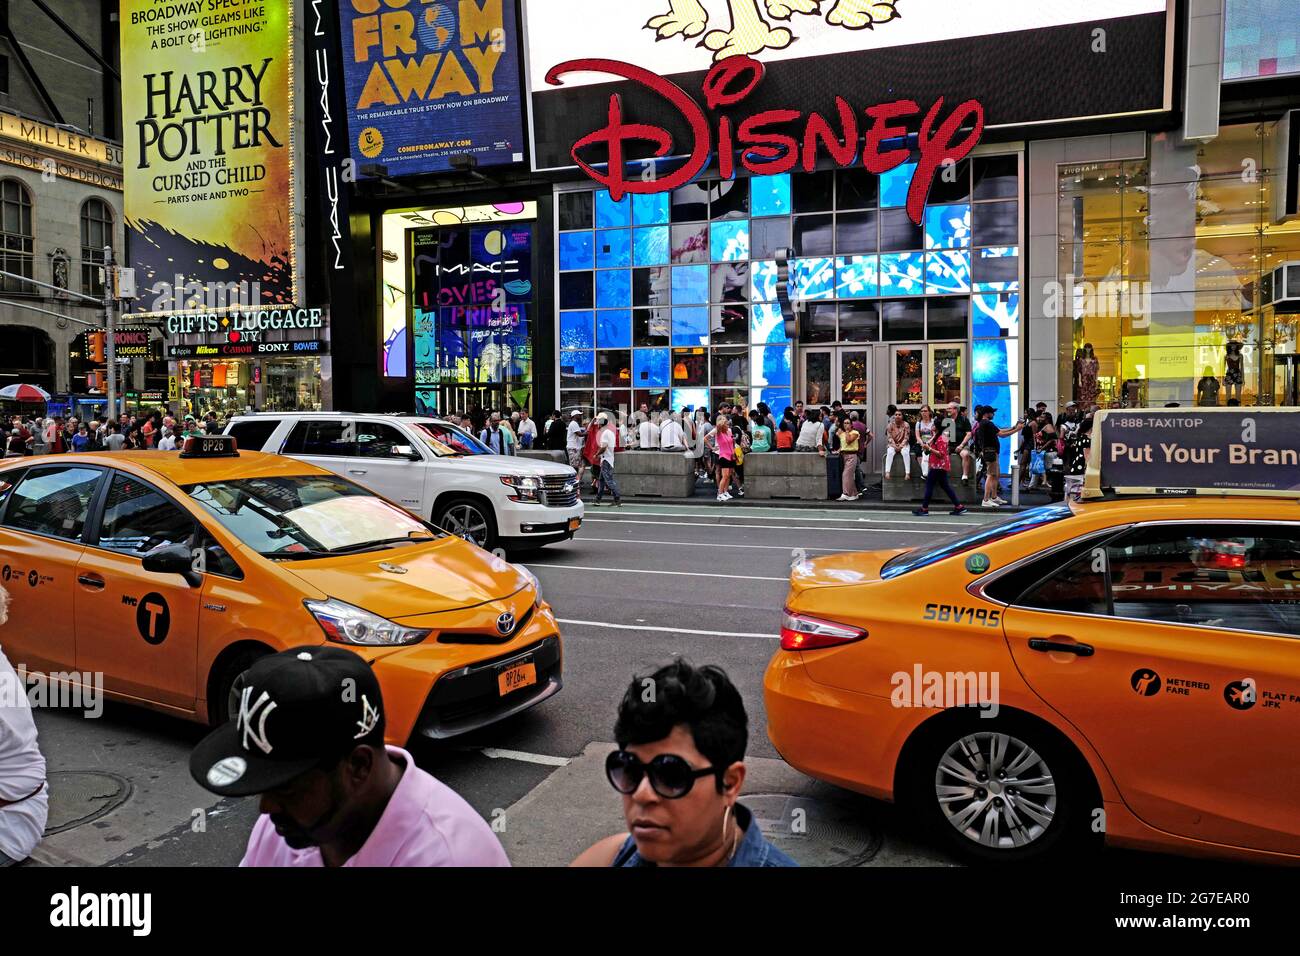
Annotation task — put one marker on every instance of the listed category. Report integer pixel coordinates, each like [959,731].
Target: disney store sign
[772,141]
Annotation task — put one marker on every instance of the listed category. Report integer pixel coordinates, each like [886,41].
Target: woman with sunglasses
[680,768]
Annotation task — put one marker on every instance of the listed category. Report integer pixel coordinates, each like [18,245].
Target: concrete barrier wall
[559,457]
[655,474]
[798,475]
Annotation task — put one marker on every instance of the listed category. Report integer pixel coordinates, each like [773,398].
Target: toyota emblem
[506,623]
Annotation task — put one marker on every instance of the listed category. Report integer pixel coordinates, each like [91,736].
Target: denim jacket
[753,850]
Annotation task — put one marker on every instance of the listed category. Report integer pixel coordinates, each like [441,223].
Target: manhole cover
[79,796]
[814,832]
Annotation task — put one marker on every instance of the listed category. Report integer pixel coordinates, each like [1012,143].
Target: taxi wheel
[469,519]
[1002,790]
[220,703]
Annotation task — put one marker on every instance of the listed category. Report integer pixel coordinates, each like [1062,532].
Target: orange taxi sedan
[171,572]
[1123,666]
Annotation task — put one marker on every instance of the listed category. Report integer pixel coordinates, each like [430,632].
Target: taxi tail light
[799,632]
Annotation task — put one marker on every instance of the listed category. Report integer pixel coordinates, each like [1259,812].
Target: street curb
[755,503]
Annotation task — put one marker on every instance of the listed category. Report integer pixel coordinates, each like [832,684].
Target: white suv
[429,467]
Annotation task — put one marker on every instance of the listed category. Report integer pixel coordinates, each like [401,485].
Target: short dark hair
[702,699]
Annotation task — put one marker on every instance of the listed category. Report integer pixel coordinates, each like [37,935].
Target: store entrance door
[838,373]
[463,399]
[1286,373]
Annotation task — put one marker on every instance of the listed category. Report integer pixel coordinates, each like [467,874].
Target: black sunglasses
[670,775]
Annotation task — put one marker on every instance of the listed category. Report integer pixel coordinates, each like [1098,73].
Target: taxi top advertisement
[1216,451]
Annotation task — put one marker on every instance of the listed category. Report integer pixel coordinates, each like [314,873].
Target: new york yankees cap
[290,712]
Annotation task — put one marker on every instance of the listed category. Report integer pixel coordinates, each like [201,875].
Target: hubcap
[996,790]
[465,521]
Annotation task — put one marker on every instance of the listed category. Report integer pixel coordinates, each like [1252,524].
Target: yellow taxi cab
[171,572]
[1126,665]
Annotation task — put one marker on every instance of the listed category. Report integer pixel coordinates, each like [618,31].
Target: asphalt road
[639,585]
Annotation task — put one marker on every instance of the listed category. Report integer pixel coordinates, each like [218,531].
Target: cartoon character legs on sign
[686,17]
[861,14]
[749,34]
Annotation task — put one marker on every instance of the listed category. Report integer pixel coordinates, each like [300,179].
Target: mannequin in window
[1086,368]
[1235,376]
[1207,389]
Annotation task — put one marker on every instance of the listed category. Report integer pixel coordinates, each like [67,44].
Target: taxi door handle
[93,581]
[356,471]
[1044,644]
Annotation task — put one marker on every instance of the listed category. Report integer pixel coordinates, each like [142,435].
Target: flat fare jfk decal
[763,140]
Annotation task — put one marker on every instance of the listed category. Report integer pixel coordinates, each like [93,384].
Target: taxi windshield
[922,557]
[307,516]
[447,441]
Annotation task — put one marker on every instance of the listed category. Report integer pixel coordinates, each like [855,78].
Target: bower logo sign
[1249,451]
[206,92]
[427,81]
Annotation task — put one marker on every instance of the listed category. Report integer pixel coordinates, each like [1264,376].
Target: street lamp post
[110,350]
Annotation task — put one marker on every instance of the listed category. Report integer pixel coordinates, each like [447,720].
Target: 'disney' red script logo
[765,149]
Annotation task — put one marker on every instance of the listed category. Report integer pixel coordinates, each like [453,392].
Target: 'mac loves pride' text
[763,140]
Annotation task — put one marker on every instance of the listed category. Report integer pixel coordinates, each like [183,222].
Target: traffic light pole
[110,350]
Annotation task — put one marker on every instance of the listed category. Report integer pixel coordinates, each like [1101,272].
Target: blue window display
[729,240]
[650,209]
[992,361]
[650,246]
[895,184]
[996,269]
[857,277]
[577,250]
[947,227]
[762,281]
[1006,399]
[777,399]
[947,271]
[507,249]
[613,289]
[691,398]
[690,285]
[766,323]
[577,330]
[577,363]
[770,195]
[691,326]
[770,365]
[902,273]
[995,315]
[651,368]
[610,214]
[614,329]
[613,248]
[812,278]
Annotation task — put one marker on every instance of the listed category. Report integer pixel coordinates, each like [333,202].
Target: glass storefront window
[292,385]
[693,272]
[1164,268]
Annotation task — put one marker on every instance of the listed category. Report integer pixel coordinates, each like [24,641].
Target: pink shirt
[726,445]
[426,823]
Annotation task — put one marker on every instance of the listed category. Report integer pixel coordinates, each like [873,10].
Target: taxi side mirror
[173,559]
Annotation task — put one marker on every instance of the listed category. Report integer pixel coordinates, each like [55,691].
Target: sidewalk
[706,495]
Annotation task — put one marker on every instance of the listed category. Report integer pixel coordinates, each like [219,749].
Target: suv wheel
[468,519]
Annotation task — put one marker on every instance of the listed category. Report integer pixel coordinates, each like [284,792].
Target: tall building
[61,200]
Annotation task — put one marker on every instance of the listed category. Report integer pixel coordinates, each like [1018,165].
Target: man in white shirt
[648,433]
[168,440]
[608,442]
[527,431]
[24,797]
[577,437]
[672,438]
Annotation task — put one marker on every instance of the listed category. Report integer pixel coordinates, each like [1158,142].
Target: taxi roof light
[799,632]
[210,446]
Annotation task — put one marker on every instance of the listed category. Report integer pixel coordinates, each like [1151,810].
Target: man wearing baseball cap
[308,738]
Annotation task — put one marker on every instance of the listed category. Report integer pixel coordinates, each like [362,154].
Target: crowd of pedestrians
[952,445]
[155,430]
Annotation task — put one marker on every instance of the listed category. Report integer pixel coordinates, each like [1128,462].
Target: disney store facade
[894,171]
